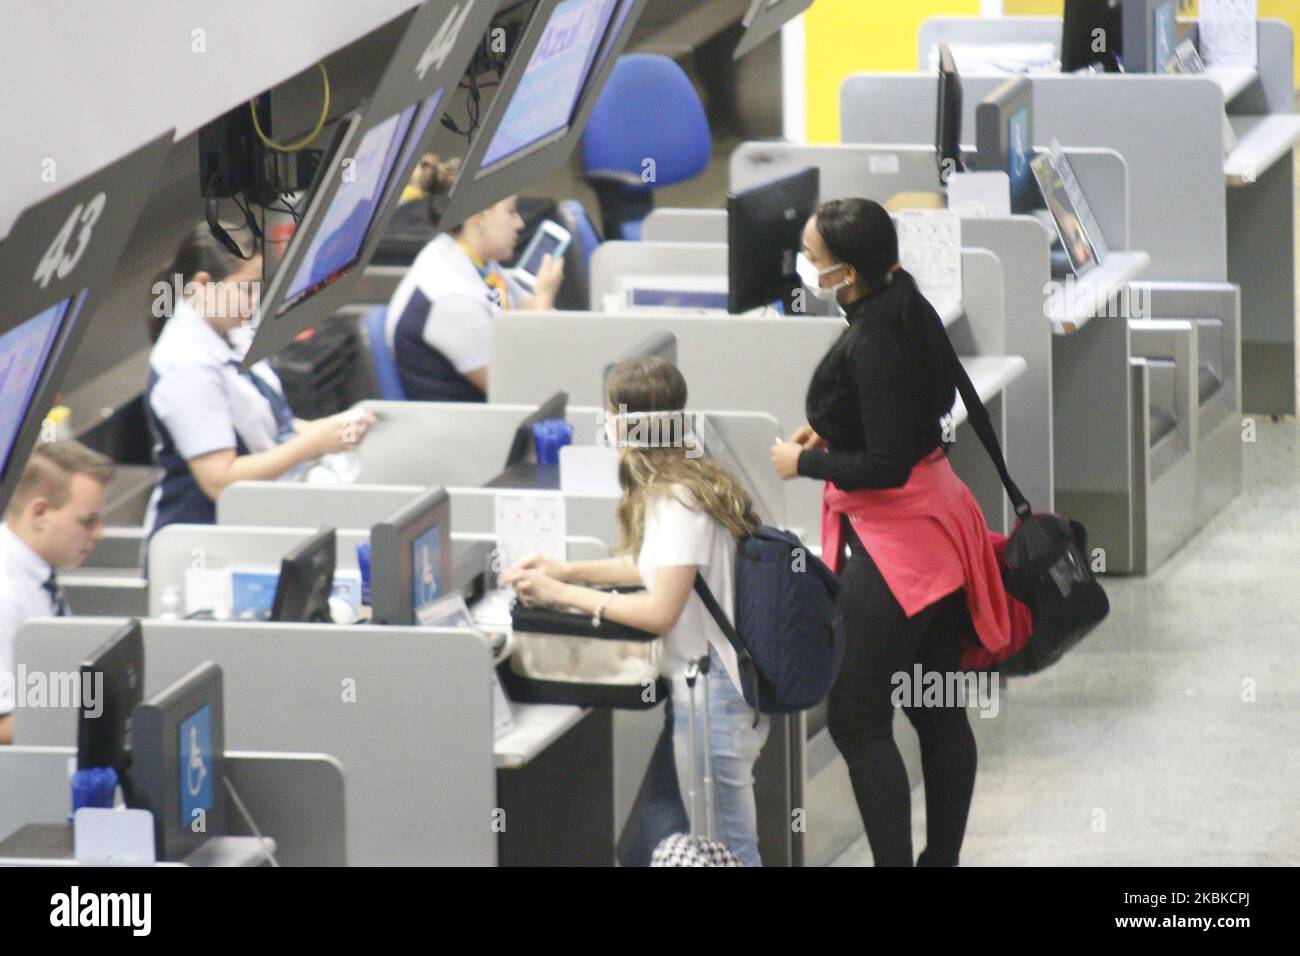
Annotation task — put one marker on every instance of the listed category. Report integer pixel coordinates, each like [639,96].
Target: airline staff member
[438,317]
[54,519]
[211,423]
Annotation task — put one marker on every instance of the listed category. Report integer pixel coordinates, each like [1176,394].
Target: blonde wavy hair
[654,385]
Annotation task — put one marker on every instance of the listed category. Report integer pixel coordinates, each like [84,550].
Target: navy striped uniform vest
[427,375]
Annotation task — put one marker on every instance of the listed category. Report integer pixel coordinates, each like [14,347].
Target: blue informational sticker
[1019,171]
[426,563]
[252,595]
[196,764]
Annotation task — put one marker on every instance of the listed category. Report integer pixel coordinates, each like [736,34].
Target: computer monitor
[306,581]
[656,345]
[178,745]
[764,18]
[523,449]
[546,94]
[411,559]
[947,132]
[112,684]
[1150,34]
[361,181]
[1092,35]
[764,235]
[55,264]
[1004,131]
[26,351]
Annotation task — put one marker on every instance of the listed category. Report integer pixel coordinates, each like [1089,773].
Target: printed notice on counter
[529,522]
[1228,32]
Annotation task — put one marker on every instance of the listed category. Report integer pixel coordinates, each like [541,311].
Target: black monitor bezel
[391,567]
[948,116]
[110,732]
[740,231]
[1078,21]
[292,567]
[522,447]
[126,185]
[402,86]
[477,189]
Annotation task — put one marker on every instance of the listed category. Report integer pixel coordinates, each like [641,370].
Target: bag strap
[743,657]
[978,416]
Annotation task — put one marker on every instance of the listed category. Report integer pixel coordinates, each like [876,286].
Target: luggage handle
[695,669]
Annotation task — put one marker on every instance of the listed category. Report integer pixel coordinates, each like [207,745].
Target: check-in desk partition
[1170,129]
[614,260]
[407,711]
[296,799]
[667,224]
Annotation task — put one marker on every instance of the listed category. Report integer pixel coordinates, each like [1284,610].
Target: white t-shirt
[677,535]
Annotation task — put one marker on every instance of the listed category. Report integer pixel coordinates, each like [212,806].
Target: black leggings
[883,641]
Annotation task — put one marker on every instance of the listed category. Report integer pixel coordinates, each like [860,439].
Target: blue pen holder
[550,436]
[363,562]
[94,787]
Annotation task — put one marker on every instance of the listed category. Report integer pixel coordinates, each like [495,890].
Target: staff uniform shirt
[438,321]
[23,596]
[678,534]
[197,401]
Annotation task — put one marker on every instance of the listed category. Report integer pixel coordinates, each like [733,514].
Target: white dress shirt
[23,574]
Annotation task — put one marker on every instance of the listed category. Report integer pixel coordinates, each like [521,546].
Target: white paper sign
[529,522]
[929,247]
[113,836]
[1228,30]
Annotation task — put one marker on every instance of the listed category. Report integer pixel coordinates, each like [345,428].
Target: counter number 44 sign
[57,259]
[444,41]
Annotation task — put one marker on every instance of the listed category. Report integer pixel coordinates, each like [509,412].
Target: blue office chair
[649,110]
[575,293]
[381,357]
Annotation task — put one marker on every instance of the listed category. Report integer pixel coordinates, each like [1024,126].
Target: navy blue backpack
[788,635]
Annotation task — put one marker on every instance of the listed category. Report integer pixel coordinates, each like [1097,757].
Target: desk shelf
[1232,79]
[1089,293]
[990,374]
[1261,142]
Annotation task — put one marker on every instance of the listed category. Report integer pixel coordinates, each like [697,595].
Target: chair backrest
[390,383]
[648,108]
[576,290]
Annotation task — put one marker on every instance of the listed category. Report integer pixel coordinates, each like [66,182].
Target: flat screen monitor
[306,581]
[411,559]
[1092,35]
[947,133]
[547,91]
[178,746]
[26,351]
[1004,128]
[346,222]
[523,449]
[764,235]
[112,685]
[546,98]
[1150,34]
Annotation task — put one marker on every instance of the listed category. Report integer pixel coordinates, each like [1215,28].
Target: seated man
[54,520]
[438,317]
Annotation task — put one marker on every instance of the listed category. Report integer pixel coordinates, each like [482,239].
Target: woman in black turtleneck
[874,408]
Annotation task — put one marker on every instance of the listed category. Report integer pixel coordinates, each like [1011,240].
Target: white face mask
[811,277]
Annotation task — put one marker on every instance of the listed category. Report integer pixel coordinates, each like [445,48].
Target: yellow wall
[1288,10]
[849,36]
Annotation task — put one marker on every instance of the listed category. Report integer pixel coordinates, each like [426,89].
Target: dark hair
[646,384]
[860,233]
[199,251]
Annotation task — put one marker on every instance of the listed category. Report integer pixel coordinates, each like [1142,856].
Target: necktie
[279,406]
[57,597]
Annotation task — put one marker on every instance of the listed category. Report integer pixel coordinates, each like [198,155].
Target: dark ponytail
[198,252]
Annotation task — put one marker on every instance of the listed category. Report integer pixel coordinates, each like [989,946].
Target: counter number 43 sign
[58,260]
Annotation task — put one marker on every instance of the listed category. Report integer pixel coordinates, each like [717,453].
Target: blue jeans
[736,744]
